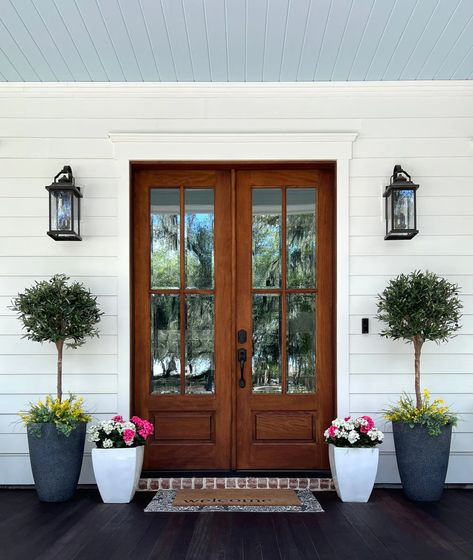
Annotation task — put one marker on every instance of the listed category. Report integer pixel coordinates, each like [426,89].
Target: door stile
[233,343]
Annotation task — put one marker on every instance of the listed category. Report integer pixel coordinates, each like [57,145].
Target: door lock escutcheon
[241,336]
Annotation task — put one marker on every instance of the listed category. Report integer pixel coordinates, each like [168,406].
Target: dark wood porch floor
[389,527]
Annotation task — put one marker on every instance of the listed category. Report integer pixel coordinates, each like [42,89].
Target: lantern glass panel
[61,211]
[75,214]
[389,214]
[403,206]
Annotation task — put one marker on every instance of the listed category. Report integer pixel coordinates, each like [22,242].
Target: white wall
[425,127]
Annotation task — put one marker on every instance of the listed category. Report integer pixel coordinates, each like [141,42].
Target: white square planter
[117,472]
[353,471]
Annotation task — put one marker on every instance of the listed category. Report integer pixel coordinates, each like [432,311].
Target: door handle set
[241,357]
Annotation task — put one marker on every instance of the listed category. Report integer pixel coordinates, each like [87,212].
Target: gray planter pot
[422,460]
[56,460]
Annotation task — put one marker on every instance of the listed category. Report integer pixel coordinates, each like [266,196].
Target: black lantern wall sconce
[400,206]
[64,207]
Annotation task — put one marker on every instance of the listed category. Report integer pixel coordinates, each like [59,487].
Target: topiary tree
[417,307]
[58,312]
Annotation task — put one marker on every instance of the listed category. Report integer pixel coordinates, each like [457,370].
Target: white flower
[107,443]
[353,436]
[342,434]
[337,422]
[375,434]
[348,425]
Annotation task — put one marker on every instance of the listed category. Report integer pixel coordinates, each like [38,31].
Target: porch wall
[426,127]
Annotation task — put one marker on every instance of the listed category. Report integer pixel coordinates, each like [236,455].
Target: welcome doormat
[235,497]
[257,501]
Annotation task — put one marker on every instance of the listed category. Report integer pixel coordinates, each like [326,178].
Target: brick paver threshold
[180,483]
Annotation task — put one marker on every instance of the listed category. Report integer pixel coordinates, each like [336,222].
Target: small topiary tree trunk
[417,307]
[58,312]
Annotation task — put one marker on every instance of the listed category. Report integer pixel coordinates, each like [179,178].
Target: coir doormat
[297,501]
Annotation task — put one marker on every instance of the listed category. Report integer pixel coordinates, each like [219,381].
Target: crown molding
[234,89]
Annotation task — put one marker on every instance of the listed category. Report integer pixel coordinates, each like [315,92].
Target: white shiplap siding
[427,128]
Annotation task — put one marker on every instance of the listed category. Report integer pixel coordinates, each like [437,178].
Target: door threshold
[281,479]
[310,473]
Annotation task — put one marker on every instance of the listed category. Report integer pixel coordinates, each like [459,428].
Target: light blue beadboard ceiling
[235,40]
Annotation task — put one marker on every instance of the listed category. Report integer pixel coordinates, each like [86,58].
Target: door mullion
[182,284]
[283,294]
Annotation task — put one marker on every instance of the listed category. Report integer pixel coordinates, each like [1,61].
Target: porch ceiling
[235,40]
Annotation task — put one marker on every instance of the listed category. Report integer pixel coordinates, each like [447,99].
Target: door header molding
[275,147]
[283,146]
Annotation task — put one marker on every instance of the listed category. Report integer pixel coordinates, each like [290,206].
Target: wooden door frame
[233,167]
[277,147]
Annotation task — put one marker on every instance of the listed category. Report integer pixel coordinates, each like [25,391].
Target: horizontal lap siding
[428,134]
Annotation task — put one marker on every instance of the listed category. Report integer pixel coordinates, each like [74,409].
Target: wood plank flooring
[389,527]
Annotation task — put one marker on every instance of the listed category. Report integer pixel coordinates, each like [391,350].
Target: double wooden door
[233,315]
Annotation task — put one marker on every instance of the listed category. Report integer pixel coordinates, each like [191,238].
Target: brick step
[178,483]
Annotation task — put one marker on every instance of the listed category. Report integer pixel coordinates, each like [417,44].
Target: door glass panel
[300,343]
[199,224]
[266,343]
[266,246]
[199,344]
[165,344]
[300,238]
[165,238]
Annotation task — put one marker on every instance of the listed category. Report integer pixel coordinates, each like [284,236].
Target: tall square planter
[353,471]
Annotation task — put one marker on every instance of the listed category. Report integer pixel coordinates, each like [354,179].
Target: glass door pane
[165,238]
[182,290]
[284,259]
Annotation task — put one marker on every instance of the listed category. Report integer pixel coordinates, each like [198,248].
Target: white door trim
[324,146]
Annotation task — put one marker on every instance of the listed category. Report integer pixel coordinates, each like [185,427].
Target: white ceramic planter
[117,472]
[354,471]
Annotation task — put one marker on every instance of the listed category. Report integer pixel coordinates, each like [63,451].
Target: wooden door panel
[285,430]
[192,431]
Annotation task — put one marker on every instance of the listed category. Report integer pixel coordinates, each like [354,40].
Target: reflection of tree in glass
[165,251]
[301,251]
[199,250]
[266,343]
[165,343]
[300,347]
[199,344]
[266,250]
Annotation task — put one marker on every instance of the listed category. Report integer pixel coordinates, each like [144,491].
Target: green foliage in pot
[65,314]
[416,308]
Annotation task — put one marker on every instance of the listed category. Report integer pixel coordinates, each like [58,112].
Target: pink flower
[347,418]
[146,429]
[332,431]
[128,436]
[137,420]
[119,419]
[368,426]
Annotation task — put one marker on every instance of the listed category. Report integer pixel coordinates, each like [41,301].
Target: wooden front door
[233,315]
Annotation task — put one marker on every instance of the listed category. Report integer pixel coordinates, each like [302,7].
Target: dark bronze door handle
[241,355]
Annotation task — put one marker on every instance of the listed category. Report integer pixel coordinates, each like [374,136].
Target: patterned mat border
[162,503]
[180,483]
